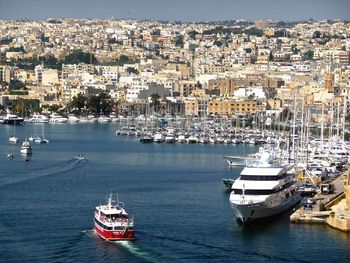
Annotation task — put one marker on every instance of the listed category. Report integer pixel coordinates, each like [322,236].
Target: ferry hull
[250,212]
[114,235]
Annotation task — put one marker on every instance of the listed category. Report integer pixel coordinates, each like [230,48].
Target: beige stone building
[232,107]
[5,73]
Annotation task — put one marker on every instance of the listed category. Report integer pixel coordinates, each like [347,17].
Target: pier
[332,208]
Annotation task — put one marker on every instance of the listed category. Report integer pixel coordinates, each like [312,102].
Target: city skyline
[180,10]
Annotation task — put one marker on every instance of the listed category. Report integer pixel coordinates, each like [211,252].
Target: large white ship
[263,189]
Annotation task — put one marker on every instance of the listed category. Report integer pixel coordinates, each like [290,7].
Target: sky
[177,10]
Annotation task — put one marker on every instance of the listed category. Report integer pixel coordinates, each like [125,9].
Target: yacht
[264,189]
[159,138]
[181,138]
[56,118]
[38,118]
[169,138]
[12,119]
[72,118]
[103,119]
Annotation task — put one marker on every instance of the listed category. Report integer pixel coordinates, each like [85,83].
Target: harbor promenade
[332,208]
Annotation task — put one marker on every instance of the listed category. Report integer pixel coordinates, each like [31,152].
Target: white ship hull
[253,211]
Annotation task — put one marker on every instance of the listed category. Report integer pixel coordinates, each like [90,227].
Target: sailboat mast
[344,113]
[294,122]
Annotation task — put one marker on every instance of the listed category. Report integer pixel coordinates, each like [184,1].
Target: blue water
[174,192]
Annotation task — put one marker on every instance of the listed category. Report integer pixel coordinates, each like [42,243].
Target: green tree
[17,85]
[316,34]
[132,70]
[308,55]
[78,56]
[78,102]
[51,62]
[155,101]
[179,41]
[100,103]
[254,31]
[192,34]
[218,43]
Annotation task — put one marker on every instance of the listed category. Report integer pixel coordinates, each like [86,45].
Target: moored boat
[264,189]
[12,119]
[26,148]
[112,222]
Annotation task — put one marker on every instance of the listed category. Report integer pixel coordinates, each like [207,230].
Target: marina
[173,182]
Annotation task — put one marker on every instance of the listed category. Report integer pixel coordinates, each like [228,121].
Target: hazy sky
[184,10]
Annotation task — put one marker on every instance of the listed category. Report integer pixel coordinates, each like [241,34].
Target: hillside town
[231,69]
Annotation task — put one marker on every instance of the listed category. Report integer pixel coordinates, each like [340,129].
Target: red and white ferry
[112,221]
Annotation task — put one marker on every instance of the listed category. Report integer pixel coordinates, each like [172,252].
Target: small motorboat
[10,156]
[26,148]
[228,183]
[80,157]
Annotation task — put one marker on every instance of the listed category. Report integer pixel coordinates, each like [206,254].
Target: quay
[331,209]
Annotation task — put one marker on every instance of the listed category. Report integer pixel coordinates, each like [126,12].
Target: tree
[78,102]
[78,56]
[132,70]
[51,62]
[17,85]
[316,34]
[100,103]
[155,101]
[179,42]
[192,34]
[254,31]
[308,55]
[251,96]
[279,33]
[218,43]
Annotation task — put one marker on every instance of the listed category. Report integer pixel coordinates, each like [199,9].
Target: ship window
[261,192]
[263,177]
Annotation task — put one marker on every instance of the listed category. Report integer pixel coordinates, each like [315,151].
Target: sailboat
[41,139]
[14,139]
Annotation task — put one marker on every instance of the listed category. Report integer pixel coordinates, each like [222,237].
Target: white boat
[181,138]
[104,119]
[38,118]
[72,118]
[26,148]
[263,189]
[169,138]
[41,140]
[80,157]
[14,139]
[92,118]
[192,139]
[84,120]
[56,118]
[158,138]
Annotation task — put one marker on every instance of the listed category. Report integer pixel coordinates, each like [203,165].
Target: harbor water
[174,191]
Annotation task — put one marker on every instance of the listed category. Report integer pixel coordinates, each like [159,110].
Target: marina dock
[332,209]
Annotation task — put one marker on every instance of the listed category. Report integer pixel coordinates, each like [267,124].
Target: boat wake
[130,246]
[61,167]
[136,250]
[235,250]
